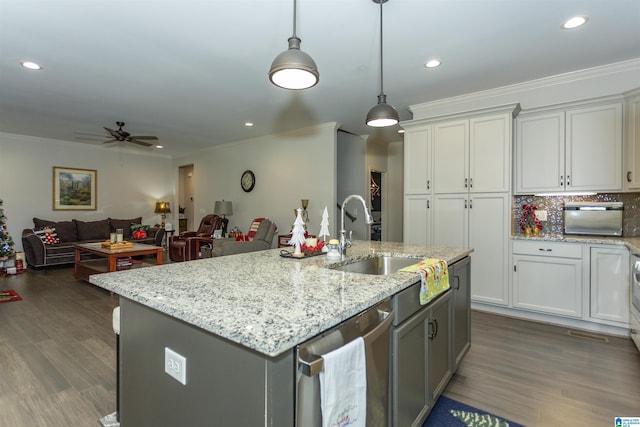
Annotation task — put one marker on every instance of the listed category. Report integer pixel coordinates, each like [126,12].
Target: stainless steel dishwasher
[374,326]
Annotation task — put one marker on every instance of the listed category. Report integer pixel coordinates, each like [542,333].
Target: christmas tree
[6,242]
[297,234]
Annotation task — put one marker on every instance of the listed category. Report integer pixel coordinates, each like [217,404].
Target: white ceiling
[193,72]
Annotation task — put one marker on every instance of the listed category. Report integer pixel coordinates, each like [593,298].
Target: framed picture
[74,189]
[217,234]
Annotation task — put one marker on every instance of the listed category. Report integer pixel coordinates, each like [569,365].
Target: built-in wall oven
[634,315]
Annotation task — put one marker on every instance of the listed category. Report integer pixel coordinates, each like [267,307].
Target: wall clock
[248,180]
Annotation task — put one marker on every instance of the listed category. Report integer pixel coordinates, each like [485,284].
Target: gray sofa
[261,241]
[40,254]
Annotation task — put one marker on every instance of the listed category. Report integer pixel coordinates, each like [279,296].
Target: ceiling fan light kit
[293,68]
[382,114]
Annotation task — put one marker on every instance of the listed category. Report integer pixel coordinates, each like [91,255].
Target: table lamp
[223,208]
[163,209]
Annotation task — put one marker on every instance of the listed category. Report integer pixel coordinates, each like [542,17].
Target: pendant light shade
[294,69]
[382,114]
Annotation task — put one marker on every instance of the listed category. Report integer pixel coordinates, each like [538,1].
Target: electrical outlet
[541,215]
[175,365]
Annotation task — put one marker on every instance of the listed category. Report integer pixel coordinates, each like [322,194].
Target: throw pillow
[48,235]
[254,228]
[66,230]
[125,224]
[139,231]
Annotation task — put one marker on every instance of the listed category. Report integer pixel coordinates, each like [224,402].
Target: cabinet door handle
[465,204]
[545,249]
[561,181]
[456,286]
[428,184]
[629,176]
[470,204]
[428,204]
[433,329]
[470,182]
[568,181]
[465,183]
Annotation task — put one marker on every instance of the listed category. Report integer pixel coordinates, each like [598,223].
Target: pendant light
[382,114]
[294,69]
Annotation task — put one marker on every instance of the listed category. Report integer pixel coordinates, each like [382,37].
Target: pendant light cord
[294,19]
[381,71]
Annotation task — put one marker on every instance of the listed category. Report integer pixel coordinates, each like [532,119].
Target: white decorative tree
[297,234]
[324,228]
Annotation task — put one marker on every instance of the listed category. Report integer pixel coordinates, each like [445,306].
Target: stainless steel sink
[380,265]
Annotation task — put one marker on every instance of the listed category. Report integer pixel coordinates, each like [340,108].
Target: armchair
[264,231]
[186,245]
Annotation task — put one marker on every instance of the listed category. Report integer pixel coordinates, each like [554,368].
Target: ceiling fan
[120,135]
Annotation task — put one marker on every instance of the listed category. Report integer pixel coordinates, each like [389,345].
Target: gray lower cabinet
[421,367]
[439,354]
[460,277]
[428,344]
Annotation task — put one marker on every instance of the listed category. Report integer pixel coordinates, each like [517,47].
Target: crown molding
[451,104]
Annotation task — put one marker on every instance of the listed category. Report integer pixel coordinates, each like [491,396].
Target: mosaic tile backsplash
[554,225]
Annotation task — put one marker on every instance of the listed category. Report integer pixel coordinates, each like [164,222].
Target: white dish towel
[343,386]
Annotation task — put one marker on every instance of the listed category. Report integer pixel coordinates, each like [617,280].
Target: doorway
[376,192]
[186,204]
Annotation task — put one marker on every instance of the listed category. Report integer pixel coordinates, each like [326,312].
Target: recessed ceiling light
[574,22]
[400,130]
[248,124]
[432,63]
[30,65]
[159,146]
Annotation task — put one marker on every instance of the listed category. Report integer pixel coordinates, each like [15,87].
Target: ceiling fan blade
[109,140]
[112,132]
[143,143]
[151,138]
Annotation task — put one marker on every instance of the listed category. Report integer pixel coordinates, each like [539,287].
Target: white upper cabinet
[490,153]
[539,153]
[594,148]
[417,161]
[450,148]
[577,149]
[632,142]
[472,155]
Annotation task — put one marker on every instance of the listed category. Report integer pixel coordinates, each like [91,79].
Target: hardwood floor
[57,351]
[57,355]
[539,375]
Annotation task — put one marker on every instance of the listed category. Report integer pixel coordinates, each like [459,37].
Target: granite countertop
[264,301]
[633,243]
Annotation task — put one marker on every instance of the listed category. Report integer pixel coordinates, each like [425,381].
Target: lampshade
[162,208]
[223,208]
[382,114]
[294,69]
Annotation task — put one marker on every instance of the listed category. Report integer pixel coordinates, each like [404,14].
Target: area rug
[451,413]
[9,296]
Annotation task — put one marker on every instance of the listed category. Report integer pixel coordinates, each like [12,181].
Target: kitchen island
[237,320]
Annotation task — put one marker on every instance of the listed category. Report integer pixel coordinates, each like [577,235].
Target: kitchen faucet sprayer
[344,242]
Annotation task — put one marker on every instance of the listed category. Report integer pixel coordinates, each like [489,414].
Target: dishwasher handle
[313,367]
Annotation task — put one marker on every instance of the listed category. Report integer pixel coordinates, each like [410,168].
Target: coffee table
[106,261]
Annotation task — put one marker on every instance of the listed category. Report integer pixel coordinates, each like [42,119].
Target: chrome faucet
[344,242]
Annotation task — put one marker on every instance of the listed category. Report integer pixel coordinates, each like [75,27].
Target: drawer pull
[545,250]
